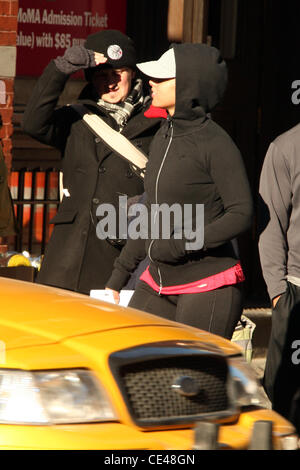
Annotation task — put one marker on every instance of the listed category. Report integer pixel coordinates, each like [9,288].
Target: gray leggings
[217,311]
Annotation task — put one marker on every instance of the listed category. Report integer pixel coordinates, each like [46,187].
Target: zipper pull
[160,281]
[170,125]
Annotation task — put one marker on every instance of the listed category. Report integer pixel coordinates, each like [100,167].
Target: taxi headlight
[52,397]
[243,384]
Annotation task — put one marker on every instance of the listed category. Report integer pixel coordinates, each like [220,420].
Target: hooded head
[201,77]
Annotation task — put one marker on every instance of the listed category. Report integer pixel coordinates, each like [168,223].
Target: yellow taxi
[80,373]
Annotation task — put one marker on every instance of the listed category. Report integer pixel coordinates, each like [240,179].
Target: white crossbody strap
[116,141]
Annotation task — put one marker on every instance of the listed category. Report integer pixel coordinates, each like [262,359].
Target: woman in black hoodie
[193,163]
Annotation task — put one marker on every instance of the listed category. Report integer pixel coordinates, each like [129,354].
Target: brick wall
[8,38]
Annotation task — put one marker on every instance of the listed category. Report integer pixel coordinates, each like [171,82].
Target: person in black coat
[7,216]
[93,174]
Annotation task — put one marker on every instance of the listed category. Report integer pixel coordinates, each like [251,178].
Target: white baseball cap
[164,67]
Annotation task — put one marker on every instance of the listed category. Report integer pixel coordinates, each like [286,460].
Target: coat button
[97,140]
[129,174]
[102,169]
[96,200]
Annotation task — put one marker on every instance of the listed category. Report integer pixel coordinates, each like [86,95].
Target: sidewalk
[262,319]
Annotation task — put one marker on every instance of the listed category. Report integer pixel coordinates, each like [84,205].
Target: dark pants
[217,311]
[282,372]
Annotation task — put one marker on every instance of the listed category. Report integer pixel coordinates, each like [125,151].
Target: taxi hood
[32,314]
[36,315]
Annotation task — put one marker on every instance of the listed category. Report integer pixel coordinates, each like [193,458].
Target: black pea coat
[75,258]
[7,218]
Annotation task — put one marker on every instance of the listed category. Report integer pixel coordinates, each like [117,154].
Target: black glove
[75,58]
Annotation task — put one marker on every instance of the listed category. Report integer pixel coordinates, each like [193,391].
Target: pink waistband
[225,278]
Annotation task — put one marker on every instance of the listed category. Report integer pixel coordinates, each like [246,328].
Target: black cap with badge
[116,46]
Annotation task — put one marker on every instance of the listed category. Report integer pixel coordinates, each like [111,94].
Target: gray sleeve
[275,198]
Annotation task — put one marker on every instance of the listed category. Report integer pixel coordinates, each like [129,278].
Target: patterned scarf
[122,111]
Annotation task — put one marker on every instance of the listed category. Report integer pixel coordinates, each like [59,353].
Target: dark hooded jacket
[93,174]
[193,161]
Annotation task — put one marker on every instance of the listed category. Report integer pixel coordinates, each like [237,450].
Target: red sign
[47,27]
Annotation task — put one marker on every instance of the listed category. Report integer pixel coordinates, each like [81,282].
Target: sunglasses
[159,80]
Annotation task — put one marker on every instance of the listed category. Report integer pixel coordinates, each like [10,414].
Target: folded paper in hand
[107,296]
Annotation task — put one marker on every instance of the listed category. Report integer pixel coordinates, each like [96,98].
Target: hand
[116,295]
[78,57]
[275,300]
[99,58]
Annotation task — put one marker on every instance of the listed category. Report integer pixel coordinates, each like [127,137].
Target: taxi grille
[149,388]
